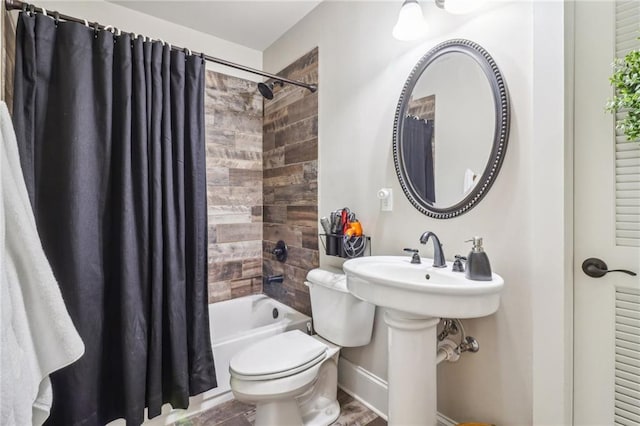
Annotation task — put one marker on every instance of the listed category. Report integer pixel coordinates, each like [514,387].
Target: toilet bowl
[292,378]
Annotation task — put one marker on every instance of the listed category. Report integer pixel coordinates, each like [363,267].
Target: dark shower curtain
[417,155]
[111,135]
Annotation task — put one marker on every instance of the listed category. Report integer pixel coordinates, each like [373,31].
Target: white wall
[361,72]
[130,20]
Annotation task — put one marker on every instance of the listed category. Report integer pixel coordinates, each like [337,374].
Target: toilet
[292,377]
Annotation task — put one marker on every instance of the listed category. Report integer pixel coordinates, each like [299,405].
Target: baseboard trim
[364,386]
[370,389]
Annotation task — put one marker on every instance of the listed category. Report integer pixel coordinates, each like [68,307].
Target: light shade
[411,24]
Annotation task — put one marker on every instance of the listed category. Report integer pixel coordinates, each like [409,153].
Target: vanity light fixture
[411,24]
[459,7]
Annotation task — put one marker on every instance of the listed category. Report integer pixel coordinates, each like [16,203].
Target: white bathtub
[234,324]
[237,323]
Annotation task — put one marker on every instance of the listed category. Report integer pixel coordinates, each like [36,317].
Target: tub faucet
[274,279]
[438,254]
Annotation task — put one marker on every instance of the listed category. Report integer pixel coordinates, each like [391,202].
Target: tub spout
[274,279]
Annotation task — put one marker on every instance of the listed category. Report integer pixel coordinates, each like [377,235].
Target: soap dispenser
[478,266]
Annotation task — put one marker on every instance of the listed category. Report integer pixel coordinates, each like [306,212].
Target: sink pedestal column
[412,369]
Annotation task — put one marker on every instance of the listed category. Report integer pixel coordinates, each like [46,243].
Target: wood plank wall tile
[290,189]
[9,56]
[233,119]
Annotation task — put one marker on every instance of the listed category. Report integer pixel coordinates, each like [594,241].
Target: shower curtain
[417,155]
[111,135]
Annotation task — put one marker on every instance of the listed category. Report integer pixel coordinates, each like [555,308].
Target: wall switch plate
[385,195]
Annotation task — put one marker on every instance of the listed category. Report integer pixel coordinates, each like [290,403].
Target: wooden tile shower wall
[8,56]
[233,117]
[290,135]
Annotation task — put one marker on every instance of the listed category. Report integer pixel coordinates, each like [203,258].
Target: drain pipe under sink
[448,349]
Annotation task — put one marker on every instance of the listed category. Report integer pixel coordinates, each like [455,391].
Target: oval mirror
[451,129]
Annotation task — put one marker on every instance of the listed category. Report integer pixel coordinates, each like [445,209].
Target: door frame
[552,215]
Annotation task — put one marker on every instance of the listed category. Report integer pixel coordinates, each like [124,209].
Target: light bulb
[411,24]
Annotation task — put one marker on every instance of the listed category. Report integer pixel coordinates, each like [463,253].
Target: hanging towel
[37,336]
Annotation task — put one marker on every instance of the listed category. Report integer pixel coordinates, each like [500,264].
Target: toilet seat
[279,356]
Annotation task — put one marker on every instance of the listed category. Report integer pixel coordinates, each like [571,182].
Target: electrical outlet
[385,195]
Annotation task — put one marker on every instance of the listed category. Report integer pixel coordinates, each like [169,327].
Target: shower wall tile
[217,176]
[233,119]
[302,216]
[227,252]
[243,287]
[230,232]
[310,170]
[275,214]
[219,290]
[217,137]
[310,238]
[243,177]
[305,107]
[224,271]
[290,189]
[305,194]
[252,268]
[297,131]
[273,158]
[235,195]
[8,56]
[283,176]
[249,142]
[256,213]
[230,214]
[276,232]
[218,156]
[301,152]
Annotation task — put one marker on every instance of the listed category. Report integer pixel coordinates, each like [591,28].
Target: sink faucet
[438,254]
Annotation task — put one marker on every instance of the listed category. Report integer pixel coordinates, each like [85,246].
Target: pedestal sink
[416,296]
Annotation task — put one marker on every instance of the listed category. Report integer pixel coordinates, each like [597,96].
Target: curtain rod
[17,4]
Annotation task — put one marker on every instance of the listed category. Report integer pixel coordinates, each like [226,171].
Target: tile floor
[234,413]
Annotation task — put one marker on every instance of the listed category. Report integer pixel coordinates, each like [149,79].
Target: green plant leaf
[626,82]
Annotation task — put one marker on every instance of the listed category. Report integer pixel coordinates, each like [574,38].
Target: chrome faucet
[438,254]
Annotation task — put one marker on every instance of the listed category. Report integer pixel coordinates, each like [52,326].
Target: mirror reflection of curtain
[417,155]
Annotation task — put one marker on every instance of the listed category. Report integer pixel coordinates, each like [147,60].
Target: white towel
[37,336]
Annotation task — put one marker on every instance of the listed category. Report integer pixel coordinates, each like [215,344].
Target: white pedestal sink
[416,297]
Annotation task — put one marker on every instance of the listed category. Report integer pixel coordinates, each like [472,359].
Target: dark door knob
[596,268]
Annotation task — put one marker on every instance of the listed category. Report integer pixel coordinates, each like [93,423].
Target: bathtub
[237,323]
[234,325]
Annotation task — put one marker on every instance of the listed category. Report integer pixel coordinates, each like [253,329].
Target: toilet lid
[278,354]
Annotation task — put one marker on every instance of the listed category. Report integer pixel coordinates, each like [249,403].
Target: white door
[607,224]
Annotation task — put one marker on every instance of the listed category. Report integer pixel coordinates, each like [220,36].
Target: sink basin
[420,289]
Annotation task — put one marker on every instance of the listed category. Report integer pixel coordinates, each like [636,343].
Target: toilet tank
[337,315]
